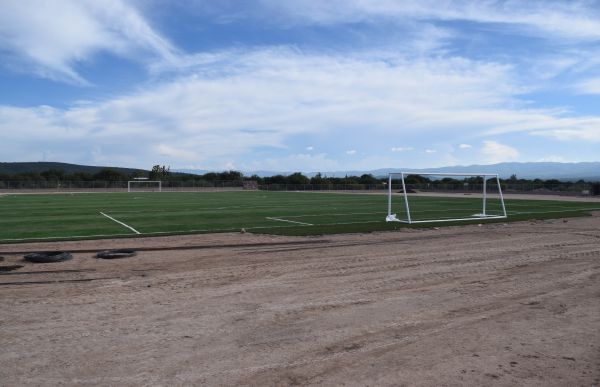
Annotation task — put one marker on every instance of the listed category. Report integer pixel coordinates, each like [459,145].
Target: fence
[522,188]
[105,185]
[200,185]
[538,188]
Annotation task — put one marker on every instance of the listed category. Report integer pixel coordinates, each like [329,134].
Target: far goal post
[444,197]
[144,186]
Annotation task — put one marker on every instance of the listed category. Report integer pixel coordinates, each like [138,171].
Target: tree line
[163,173]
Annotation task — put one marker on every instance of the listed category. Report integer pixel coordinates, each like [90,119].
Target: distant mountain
[246,173]
[192,171]
[38,167]
[542,170]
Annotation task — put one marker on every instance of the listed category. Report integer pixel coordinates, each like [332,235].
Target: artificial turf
[79,215]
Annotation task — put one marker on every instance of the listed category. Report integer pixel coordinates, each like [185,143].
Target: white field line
[550,212]
[176,232]
[542,205]
[414,206]
[507,210]
[514,212]
[64,237]
[566,209]
[289,221]
[139,211]
[206,230]
[212,209]
[121,223]
[417,211]
[510,204]
[337,214]
[257,227]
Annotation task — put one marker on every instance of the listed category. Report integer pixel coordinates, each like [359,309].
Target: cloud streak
[589,86]
[572,20]
[52,39]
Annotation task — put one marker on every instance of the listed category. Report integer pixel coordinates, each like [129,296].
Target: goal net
[415,197]
[144,186]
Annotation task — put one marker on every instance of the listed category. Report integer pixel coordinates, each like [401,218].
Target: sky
[299,85]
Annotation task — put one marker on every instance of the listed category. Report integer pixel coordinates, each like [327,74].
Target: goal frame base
[392,218]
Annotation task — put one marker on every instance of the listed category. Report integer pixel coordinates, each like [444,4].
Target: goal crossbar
[483,215]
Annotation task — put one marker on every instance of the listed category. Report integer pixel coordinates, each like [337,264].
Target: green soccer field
[98,215]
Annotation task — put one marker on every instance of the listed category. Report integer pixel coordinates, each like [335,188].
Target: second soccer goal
[143,185]
[415,197]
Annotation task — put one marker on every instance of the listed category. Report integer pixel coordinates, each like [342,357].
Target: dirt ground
[491,305]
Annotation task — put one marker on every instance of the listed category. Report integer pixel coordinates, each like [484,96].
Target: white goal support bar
[483,215]
[144,182]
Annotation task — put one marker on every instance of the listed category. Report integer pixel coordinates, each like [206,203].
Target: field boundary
[237,229]
[48,218]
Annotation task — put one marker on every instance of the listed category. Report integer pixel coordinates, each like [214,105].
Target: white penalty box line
[121,223]
[289,221]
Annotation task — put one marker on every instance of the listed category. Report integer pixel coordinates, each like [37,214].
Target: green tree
[551,184]
[277,179]
[368,179]
[210,176]
[159,172]
[108,174]
[53,174]
[297,178]
[256,178]
[230,176]
[318,179]
[416,179]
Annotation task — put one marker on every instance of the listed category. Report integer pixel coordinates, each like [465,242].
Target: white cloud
[351,152]
[229,166]
[310,148]
[464,146]
[588,86]
[494,152]
[573,19]
[401,149]
[591,134]
[430,151]
[545,123]
[51,38]
[172,152]
[553,159]
[425,30]
[296,162]
[267,98]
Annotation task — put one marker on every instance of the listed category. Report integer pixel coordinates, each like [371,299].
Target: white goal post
[152,185]
[499,213]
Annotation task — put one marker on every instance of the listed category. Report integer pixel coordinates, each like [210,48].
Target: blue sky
[299,85]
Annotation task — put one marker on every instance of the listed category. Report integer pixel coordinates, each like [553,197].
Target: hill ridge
[41,166]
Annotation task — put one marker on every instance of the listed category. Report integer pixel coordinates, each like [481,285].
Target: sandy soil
[497,305]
